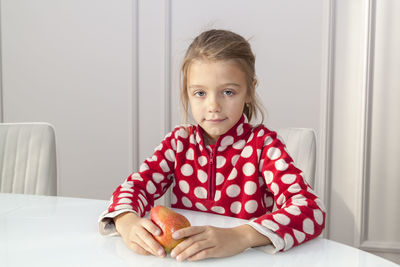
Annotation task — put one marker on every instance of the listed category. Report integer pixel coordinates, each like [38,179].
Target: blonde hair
[214,45]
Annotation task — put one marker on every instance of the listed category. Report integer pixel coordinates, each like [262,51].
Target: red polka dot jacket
[247,174]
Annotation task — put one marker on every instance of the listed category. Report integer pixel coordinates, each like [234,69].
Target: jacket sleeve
[298,214]
[139,191]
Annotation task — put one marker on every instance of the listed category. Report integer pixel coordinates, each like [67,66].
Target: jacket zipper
[211,175]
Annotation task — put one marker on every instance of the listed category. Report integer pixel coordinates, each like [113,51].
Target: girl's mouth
[215,120]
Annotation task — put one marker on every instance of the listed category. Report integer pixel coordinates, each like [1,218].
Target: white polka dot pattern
[227,140]
[250,188]
[190,154]
[251,206]
[202,161]
[275,188]
[239,130]
[269,176]
[294,188]
[150,188]
[184,186]
[200,206]
[236,207]
[200,192]
[252,177]
[187,170]
[281,165]
[164,166]
[233,190]
[186,202]
[288,241]
[179,147]
[217,196]
[300,236]
[202,176]
[233,174]
[144,167]
[270,225]
[288,178]
[157,177]
[294,210]
[124,201]
[239,144]
[219,178]
[125,195]
[273,153]
[173,199]
[281,218]
[235,159]
[247,151]
[124,206]
[318,216]
[221,160]
[170,155]
[308,226]
[248,169]
[218,209]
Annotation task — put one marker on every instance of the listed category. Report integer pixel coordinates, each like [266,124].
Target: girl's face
[217,94]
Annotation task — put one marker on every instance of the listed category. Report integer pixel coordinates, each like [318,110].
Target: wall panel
[382,235]
[106,73]
[70,63]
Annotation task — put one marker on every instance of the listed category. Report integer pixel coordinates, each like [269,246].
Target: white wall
[364,176]
[70,63]
[105,73]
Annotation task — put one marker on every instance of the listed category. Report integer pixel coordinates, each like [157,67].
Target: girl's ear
[248,97]
[255,83]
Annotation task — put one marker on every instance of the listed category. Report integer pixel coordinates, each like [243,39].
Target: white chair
[301,145]
[28,159]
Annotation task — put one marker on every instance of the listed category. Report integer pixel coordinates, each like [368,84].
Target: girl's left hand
[209,242]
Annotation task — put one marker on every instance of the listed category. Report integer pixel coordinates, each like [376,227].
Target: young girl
[224,165]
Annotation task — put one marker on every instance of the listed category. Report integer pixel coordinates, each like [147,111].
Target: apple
[168,221]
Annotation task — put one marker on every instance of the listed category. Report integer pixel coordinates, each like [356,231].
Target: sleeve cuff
[277,242]
[106,222]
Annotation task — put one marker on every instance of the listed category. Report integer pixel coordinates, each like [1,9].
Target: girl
[223,165]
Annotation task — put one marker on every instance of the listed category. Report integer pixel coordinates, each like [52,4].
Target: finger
[150,242]
[188,231]
[138,249]
[139,242]
[195,248]
[151,227]
[204,254]
[186,243]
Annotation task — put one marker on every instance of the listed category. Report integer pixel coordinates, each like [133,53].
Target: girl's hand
[212,242]
[136,233]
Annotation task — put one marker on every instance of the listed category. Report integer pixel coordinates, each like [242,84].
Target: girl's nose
[214,105]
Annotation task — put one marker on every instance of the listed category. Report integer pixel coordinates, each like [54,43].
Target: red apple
[168,221]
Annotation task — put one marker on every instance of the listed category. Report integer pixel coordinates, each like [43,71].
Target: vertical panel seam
[1,69]
[366,121]
[167,68]
[327,122]
[135,85]
[3,162]
[167,79]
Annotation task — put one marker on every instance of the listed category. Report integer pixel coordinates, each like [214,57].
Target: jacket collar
[239,131]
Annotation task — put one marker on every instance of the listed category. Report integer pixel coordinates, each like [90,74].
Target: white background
[105,74]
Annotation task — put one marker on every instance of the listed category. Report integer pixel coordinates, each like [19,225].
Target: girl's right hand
[137,234]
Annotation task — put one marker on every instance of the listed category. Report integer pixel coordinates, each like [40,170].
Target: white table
[58,231]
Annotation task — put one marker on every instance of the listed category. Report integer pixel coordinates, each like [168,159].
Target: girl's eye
[228,92]
[200,93]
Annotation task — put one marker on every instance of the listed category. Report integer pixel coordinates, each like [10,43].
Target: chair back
[28,159]
[301,145]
